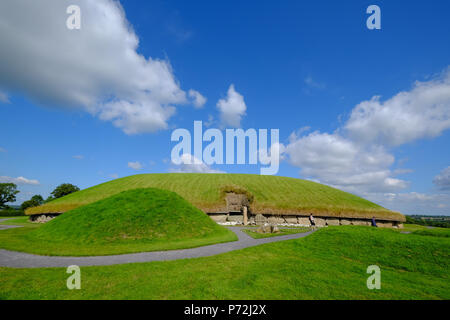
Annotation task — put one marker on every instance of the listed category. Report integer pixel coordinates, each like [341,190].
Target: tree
[63,190]
[8,193]
[50,198]
[35,201]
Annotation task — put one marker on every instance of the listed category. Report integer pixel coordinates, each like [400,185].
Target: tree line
[8,192]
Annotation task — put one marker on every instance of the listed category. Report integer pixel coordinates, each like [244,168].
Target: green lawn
[132,221]
[424,230]
[19,221]
[435,232]
[283,232]
[205,191]
[412,227]
[329,264]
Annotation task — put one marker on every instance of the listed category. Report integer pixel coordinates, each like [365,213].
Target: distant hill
[432,221]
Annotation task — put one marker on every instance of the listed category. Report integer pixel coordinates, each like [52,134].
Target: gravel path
[3,227]
[13,259]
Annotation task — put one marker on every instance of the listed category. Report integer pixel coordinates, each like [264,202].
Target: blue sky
[74,107]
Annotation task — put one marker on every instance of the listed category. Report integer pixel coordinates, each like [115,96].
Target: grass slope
[131,221]
[272,194]
[329,264]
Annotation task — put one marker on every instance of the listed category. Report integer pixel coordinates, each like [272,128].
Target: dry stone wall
[260,219]
[42,218]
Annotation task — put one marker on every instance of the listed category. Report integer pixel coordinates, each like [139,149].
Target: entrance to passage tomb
[237,204]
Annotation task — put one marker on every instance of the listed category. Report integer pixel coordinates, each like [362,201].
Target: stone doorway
[237,203]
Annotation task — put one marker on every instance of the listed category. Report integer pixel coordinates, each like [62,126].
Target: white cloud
[78,157]
[337,161]
[413,202]
[137,117]
[4,97]
[197,99]
[209,123]
[190,164]
[96,69]
[442,180]
[310,82]
[357,157]
[135,165]
[275,149]
[294,135]
[423,112]
[411,196]
[2,149]
[18,180]
[232,108]
[113,175]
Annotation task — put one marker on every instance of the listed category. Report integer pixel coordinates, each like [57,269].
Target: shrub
[11,212]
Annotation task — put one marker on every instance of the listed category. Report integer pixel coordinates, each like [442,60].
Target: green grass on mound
[132,221]
[329,264]
[271,194]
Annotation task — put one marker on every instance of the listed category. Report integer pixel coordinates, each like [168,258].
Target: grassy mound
[269,194]
[131,221]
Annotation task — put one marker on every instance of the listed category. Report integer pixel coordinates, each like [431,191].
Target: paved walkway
[4,227]
[13,259]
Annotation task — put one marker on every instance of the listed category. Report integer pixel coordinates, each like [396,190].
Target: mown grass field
[329,264]
[434,232]
[426,230]
[272,194]
[132,221]
[17,221]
